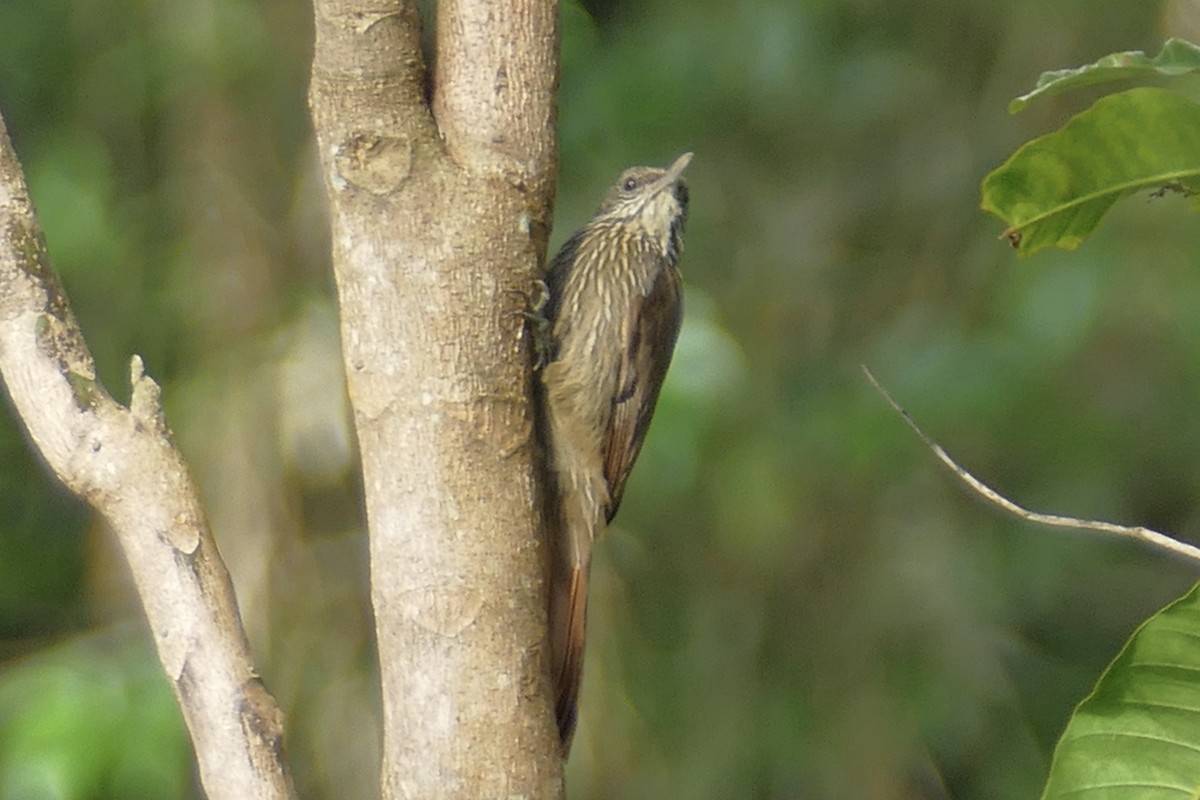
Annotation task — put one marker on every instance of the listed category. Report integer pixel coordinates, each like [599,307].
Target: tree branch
[494,96]
[123,463]
[1151,537]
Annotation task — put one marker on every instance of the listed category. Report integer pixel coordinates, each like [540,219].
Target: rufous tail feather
[568,621]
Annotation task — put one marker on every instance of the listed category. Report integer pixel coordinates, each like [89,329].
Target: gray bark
[439,213]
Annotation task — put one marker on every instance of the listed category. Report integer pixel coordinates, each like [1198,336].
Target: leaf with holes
[1138,734]
[1054,190]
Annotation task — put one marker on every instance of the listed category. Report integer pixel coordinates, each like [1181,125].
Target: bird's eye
[629,184]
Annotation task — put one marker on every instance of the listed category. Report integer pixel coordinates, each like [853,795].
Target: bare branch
[1154,538]
[123,463]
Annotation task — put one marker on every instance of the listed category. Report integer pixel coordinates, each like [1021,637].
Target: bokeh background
[796,601]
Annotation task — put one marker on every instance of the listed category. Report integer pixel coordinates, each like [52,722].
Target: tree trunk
[440,212]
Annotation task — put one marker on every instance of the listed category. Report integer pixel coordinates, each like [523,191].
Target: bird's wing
[643,367]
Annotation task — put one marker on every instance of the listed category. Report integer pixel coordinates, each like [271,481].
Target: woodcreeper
[611,318]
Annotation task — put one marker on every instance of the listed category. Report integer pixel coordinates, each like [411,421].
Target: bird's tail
[568,625]
[576,516]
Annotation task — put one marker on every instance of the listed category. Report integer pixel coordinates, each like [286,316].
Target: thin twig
[1151,537]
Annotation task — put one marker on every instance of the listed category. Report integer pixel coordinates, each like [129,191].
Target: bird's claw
[539,324]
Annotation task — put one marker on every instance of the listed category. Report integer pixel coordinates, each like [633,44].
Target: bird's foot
[538,322]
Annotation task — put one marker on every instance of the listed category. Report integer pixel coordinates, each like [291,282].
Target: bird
[611,312]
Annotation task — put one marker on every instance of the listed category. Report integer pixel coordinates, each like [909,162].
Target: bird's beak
[674,171]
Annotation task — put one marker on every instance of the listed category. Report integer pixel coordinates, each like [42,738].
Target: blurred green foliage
[94,718]
[796,602]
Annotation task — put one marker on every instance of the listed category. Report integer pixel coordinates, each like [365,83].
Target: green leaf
[1054,190]
[1137,735]
[1177,57]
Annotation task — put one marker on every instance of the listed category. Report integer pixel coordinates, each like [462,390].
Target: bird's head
[654,200]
